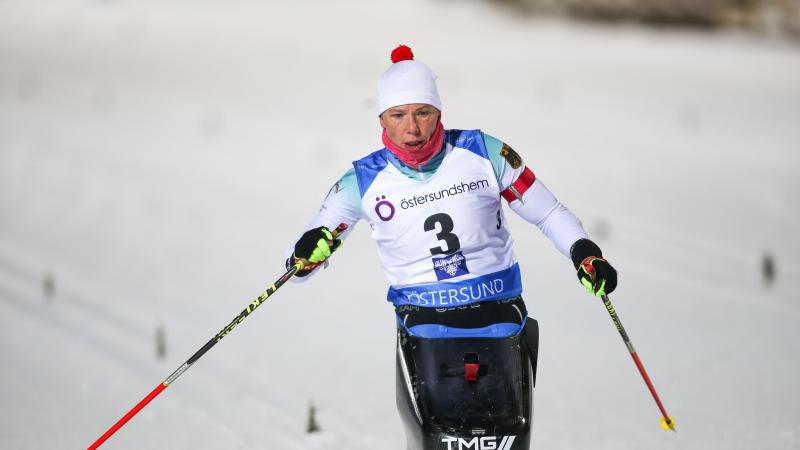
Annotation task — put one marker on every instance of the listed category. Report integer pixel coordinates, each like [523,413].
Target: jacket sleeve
[341,205]
[530,199]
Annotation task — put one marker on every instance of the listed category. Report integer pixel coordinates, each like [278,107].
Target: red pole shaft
[128,416]
[649,384]
[613,313]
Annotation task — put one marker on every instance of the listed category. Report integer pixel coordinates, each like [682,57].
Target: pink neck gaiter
[423,155]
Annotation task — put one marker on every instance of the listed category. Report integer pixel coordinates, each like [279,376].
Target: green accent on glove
[588,276]
[601,291]
[323,250]
[314,248]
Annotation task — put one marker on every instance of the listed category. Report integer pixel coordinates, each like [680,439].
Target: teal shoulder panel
[348,185]
[494,147]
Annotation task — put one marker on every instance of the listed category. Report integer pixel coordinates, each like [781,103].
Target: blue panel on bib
[471,140]
[450,266]
[368,167]
[494,286]
[436,331]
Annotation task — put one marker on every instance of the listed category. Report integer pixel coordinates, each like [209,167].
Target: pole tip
[667,423]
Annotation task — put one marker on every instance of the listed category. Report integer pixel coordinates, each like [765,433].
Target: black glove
[594,272]
[314,247]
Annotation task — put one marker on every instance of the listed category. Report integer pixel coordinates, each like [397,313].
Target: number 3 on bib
[446,234]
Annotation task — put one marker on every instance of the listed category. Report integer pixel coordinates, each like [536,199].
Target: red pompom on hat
[407,83]
[402,53]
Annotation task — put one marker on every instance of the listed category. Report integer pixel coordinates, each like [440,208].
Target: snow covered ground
[158,157]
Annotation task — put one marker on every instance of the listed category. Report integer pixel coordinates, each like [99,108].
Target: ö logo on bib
[450,266]
[384,206]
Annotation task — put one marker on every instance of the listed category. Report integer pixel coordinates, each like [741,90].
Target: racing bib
[441,241]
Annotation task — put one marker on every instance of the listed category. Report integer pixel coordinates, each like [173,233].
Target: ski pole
[218,337]
[666,421]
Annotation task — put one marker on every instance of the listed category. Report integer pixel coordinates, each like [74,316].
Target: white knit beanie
[407,81]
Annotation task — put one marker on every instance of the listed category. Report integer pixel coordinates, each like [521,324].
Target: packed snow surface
[157,158]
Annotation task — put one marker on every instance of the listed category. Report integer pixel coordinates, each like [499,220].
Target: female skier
[466,353]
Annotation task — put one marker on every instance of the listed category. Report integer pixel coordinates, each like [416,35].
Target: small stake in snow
[666,422]
[218,337]
[312,426]
[161,342]
[49,286]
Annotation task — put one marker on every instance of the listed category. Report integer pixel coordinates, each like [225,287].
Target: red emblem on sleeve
[519,186]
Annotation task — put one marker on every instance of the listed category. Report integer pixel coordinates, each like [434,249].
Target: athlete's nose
[413,127]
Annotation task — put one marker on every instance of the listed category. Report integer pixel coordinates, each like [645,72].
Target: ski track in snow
[147,160]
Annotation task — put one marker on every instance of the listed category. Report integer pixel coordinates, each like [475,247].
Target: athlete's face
[410,126]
